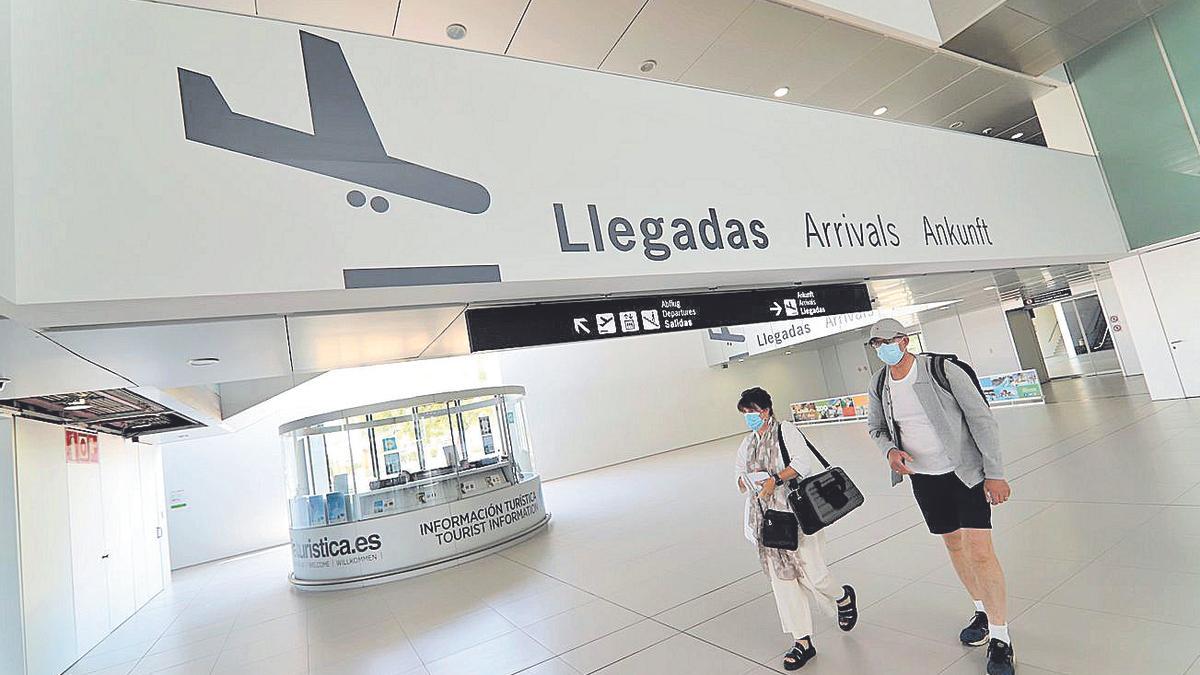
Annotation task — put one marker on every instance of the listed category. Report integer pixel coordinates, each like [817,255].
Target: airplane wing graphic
[344,143]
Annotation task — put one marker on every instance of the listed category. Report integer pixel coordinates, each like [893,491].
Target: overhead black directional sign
[556,322]
[1047,297]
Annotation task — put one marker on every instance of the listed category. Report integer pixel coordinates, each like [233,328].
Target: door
[89,570]
[1096,335]
[1075,338]
[149,578]
[1174,277]
[119,486]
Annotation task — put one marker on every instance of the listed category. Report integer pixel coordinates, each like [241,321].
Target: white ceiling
[38,366]
[158,354]
[1033,36]
[748,47]
[253,349]
[329,341]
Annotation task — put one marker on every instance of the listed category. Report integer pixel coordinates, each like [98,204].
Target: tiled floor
[644,571]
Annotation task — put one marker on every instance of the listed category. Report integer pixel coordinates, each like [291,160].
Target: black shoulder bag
[780,529]
[822,498]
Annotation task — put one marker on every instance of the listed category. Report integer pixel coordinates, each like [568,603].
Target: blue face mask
[890,354]
[754,421]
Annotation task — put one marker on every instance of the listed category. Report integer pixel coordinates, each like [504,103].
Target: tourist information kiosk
[405,487]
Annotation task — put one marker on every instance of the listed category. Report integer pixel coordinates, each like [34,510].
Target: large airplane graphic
[344,143]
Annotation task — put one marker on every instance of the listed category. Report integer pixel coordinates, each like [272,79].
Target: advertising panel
[839,409]
[1023,386]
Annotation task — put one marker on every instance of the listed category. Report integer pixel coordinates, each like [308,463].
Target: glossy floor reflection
[644,571]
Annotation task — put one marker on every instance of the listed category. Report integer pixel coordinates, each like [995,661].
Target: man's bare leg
[989,577]
[956,546]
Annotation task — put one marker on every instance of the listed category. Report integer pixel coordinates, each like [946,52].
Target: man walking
[932,421]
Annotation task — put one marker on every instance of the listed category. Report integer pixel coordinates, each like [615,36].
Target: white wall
[8,274]
[990,347]
[856,371]
[1174,276]
[1146,329]
[953,16]
[594,404]
[904,18]
[46,569]
[1062,121]
[980,337]
[944,334]
[831,367]
[1110,300]
[82,533]
[12,636]
[234,489]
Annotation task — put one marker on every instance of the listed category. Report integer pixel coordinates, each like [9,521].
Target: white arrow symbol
[581,326]
[776,308]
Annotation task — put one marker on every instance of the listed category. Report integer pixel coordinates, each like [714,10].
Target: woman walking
[796,576]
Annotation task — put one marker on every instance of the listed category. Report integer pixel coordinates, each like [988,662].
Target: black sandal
[798,656]
[848,615]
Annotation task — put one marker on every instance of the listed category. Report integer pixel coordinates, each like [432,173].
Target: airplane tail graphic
[344,144]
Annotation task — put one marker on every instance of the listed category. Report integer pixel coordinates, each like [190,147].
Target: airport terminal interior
[419,337]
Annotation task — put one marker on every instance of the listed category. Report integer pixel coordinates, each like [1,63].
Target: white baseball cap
[886,329]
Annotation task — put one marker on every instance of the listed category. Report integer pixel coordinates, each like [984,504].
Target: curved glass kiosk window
[404,487]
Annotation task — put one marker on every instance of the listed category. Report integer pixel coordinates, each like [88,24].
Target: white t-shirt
[917,435]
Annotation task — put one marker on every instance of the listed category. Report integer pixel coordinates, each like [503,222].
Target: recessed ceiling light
[987,131]
[957,125]
[741,360]
[1017,135]
[787,353]
[648,65]
[880,110]
[204,361]
[989,288]
[781,92]
[456,31]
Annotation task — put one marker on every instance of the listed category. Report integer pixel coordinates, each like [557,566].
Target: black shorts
[948,505]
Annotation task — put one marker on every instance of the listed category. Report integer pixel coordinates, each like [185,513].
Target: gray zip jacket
[962,420]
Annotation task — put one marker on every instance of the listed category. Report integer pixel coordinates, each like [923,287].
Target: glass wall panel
[404,456]
[437,439]
[1150,157]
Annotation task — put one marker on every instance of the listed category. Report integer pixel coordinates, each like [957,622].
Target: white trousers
[792,598]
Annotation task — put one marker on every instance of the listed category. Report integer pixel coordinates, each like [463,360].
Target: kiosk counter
[406,487]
